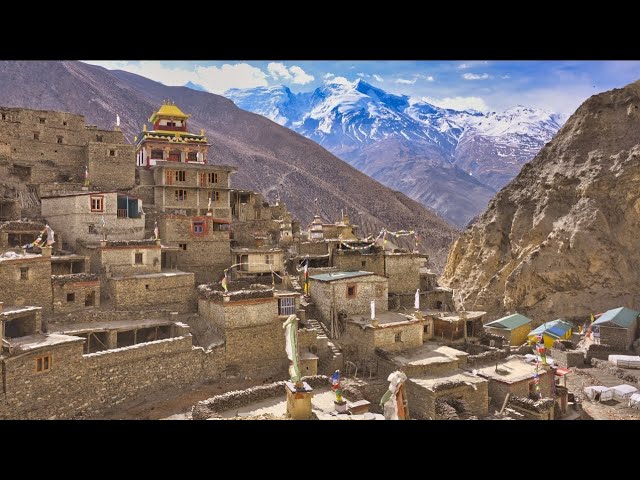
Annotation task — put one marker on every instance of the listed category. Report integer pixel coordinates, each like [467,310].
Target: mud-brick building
[43,147]
[250,322]
[617,327]
[75,292]
[258,260]
[79,216]
[26,279]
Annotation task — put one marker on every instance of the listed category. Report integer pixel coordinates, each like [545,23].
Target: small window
[98,138]
[42,119]
[36,136]
[351,291]
[4,116]
[60,138]
[64,124]
[181,195]
[71,297]
[398,337]
[364,263]
[112,153]
[43,364]
[220,227]
[92,228]
[90,299]
[138,259]
[426,329]
[213,178]
[146,287]
[268,259]
[183,246]
[198,228]
[97,204]
[379,291]
[181,175]
[24,273]
[214,196]
[157,154]
[286,306]
[193,156]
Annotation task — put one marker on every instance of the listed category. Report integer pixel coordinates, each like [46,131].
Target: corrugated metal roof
[622,317]
[554,328]
[332,276]
[510,322]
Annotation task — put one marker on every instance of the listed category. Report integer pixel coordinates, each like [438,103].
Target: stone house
[514,328]
[258,260]
[15,234]
[617,327]
[341,295]
[16,322]
[455,326]
[80,216]
[26,279]
[75,292]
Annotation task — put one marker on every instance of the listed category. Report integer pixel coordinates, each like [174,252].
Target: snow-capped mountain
[452,161]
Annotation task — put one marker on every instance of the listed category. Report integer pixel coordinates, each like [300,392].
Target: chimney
[374,322]
[46,251]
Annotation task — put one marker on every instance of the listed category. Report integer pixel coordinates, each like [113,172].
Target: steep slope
[561,240]
[412,145]
[271,159]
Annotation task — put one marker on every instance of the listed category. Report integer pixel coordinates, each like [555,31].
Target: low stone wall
[625,375]
[88,316]
[567,358]
[602,352]
[542,409]
[212,407]
[487,356]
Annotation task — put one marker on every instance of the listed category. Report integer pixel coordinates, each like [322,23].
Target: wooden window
[112,153]
[198,228]
[364,263]
[71,297]
[60,138]
[286,306]
[42,119]
[98,138]
[36,136]
[183,246]
[351,291]
[97,203]
[90,299]
[92,228]
[24,273]
[398,337]
[43,364]
[268,259]
[193,156]
[157,154]
[426,329]
[181,176]
[4,116]
[220,227]
[181,195]
[213,177]
[379,291]
[214,196]
[137,258]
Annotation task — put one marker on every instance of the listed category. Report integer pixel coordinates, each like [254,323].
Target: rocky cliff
[563,238]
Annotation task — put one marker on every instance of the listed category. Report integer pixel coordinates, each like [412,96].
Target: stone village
[128,270]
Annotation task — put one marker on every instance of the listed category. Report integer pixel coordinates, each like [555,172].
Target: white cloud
[278,71]
[378,77]
[464,66]
[214,79]
[458,103]
[294,74]
[505,77]
[363,75]
[300,76]
[405,81]
[428,78]
[327,76]
[473,76]
[339,80]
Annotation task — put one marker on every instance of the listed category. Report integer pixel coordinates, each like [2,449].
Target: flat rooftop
[453,316]
[428,353]
[9,256]
[332,276]
[85,327]
[41,340]
[512,370]
[385,318]
[10,311]
[430,382]
[256,249]
[172,273]
[67,258]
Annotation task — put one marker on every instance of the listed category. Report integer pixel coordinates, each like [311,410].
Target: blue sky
[559,86]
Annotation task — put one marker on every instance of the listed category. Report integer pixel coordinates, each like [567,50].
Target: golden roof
[168,109]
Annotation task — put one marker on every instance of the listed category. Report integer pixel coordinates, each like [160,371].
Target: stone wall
[76,292]
[171,291]
[498,390]
[602,352]
[26,281]
[422,402]
[620,338]
[313,248]
[352,261]
[120,260]
[568,358]
[403,271]
[80,386]
[111,165]
[372,287]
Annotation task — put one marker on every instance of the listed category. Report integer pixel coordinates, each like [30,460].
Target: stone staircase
[330,357]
